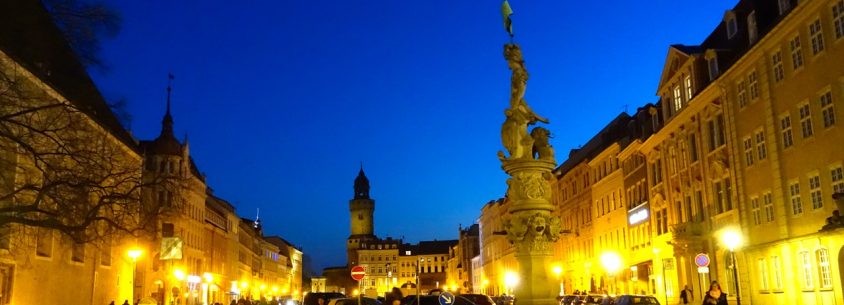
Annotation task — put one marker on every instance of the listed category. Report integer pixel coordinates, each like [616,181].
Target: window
[723,195]
[815,191]
[806,120]
[678,98]
[762,267]
[748,151]
[77,252]
[712,63]
[761,149]
[741,88]
[656,171]
[776,62]
[44,243]
[716,132]
[732,28]
[753,85]
[693,147]
[827,110]
[837,175]
[752,31]
[757,214]
[816,32]
[805,263]
[838,19]
[796,53]
[823,268]
[784,6]
[785,130]
[777,270]
[768,203]
[796,202]
[687,81]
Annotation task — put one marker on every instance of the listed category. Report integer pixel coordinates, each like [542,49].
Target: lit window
[838,19]
[796,53]
[837,175]
[762,267]
[823,268]
[777,270]
[806,121]
[741,88]
[805,263]
[785,130]
[796,202]
[748,151]
[761,149]
[678,98]
[815,191]
[768,203]
[816,32]
[827,110]
[776,61]
[688,84]
[757,214]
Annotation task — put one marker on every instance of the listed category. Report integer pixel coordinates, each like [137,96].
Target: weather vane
[506,11]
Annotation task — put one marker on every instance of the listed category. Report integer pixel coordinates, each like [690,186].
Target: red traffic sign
[358,273]
[702,260]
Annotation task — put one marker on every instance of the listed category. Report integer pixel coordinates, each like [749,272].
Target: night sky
[282,100]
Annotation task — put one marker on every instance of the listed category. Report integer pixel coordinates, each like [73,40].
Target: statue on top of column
[514,132]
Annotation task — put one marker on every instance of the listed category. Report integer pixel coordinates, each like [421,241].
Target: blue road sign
[446,298]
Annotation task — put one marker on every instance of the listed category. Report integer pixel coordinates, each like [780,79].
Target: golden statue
[514,131]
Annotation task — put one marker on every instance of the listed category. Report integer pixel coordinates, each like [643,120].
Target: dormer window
[752,32]
[678,98]
[712,63]
[730,22]
[784,6]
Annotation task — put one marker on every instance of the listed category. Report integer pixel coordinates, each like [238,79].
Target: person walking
[715,296]
[686,294]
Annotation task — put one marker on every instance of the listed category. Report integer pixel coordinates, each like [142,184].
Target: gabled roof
[678,54]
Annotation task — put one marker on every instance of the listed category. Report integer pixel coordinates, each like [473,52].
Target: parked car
[597,299]
[569,299]
[354,301]
[478,299]
[435,300]
[313,297]
[629,299]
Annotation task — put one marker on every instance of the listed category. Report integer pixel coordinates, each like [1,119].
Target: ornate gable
[677,56]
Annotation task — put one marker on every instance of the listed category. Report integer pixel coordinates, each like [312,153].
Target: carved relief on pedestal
[533,232]
[528,185]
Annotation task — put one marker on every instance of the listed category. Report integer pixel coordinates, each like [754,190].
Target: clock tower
[361,210]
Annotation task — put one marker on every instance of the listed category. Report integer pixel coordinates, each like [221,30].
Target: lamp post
[612,263]
[134,253]
[558,271]
[732,239]
[510,281]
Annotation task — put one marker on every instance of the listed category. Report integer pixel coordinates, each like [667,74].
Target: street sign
[446,298]
[702,260]
[358,273]
[702,269]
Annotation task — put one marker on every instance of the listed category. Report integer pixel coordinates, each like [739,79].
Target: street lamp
[134,253]
[510,280]
[732,239]
[612,263]
[558,271]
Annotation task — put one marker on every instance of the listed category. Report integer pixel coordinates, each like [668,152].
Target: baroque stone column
[530,226]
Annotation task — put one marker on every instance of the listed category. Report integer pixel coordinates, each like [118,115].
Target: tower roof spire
[167,121]
[361,184]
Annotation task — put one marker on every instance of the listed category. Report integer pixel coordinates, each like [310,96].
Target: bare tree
[61,170]
[84,23]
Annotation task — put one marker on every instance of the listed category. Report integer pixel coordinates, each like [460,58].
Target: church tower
[361,210]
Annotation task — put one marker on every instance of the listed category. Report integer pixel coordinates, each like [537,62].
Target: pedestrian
[125,302]
[111,303]
[394,297]
[715,296]
[686,294]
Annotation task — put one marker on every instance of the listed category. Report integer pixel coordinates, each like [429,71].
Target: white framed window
[761,149]
[768,204]
[741,89]
[762,268]
[827,109]
[837,177]
[731,25]
[687,82]
[748,151]
[838,18]
[805,264]
[678,98]
[806,120]
[823,268]
[757,213]
[776,269]
[796,53]
[816,32]
[712,64]
[785,130]
[796,201]
[753,85]
[784,6]
[776,63]
[815,191]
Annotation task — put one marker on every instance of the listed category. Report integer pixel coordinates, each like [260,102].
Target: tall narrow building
[361,210]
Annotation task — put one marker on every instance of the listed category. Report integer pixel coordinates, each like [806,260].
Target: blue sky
[282,100]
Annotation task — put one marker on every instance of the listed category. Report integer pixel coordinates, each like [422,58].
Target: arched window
[823,268]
